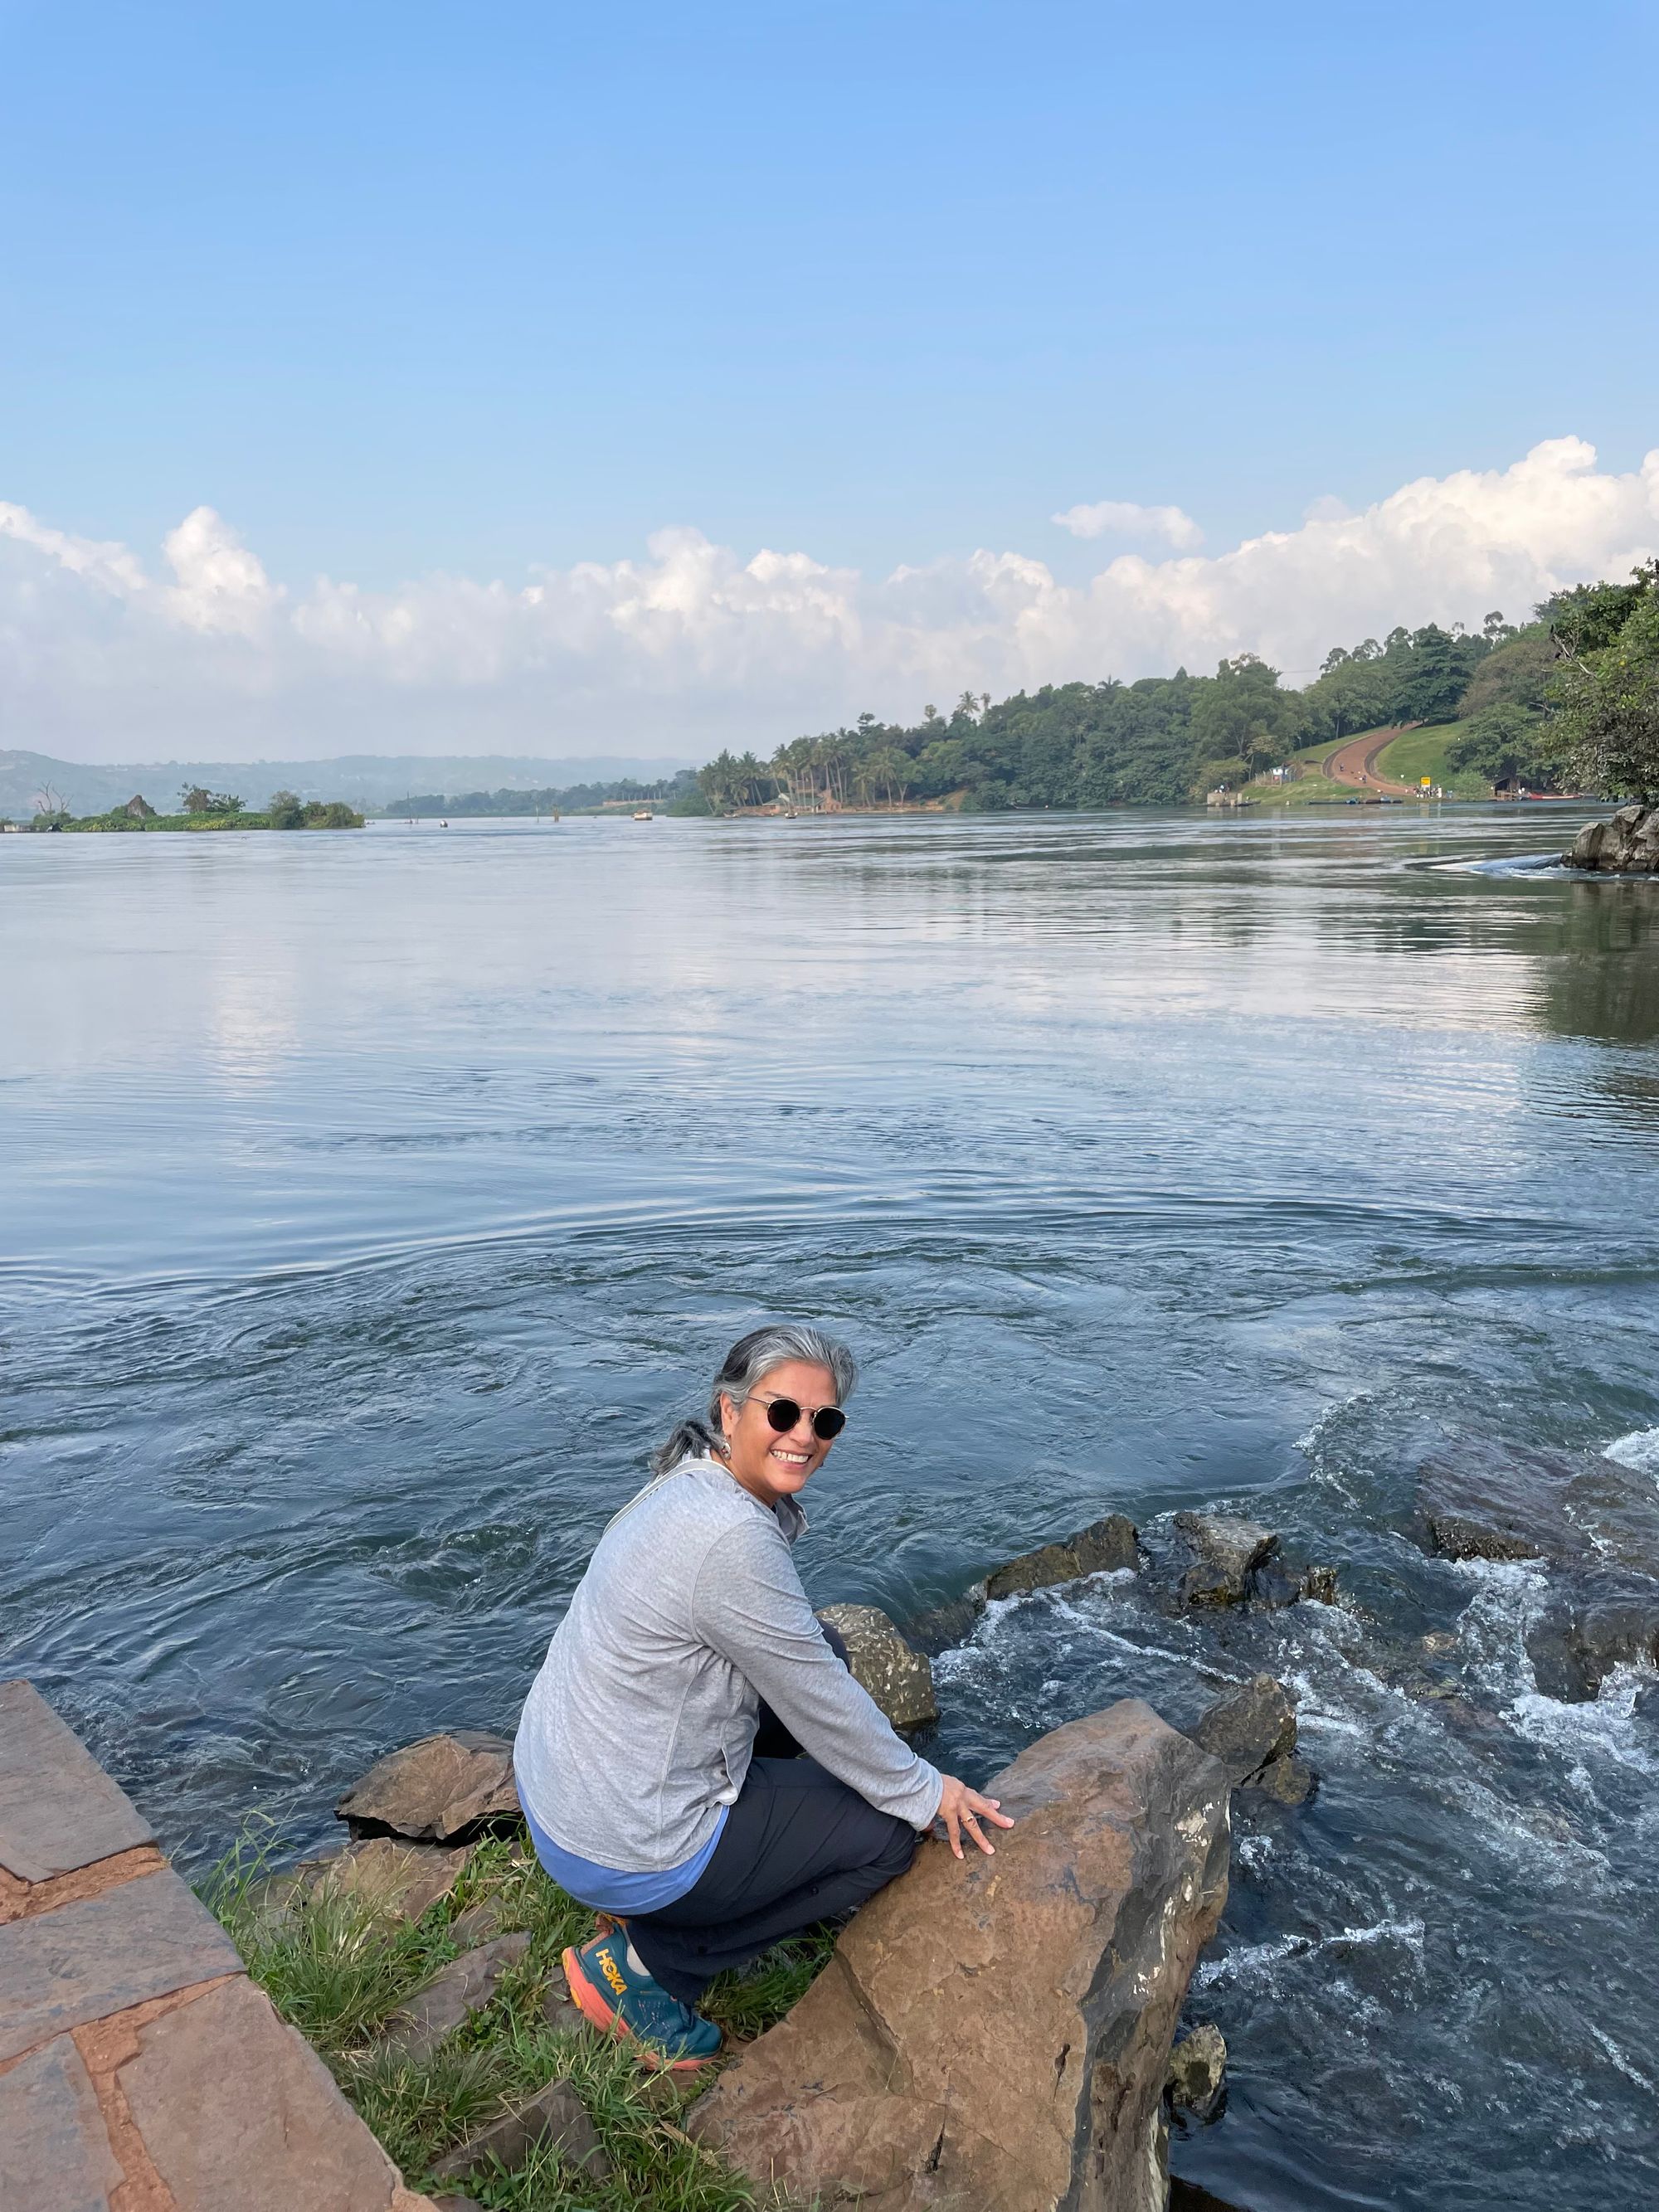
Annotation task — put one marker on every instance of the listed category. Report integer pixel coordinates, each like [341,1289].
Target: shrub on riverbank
[337,1967]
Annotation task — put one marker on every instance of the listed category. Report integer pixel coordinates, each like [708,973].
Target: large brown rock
[996,2033]
[1603,1622]
[443,1789]
[897,1676]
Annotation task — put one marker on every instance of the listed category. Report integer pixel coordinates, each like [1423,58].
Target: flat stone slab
[383,1875]
[54,2153]
[62,1970]
[465,1986]
[58,1809]
[237,2109]
[555,2115]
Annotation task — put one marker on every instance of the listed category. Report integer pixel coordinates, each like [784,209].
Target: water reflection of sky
[1163,1000]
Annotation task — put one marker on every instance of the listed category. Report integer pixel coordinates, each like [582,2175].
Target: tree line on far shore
[1567,700]
[201,809]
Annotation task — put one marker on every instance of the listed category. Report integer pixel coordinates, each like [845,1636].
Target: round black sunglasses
[783,1413]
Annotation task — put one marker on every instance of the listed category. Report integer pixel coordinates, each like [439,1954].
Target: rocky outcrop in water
[1223,1554]
[1602,1622]
[446,1789]
[1252,1731]
[897,1676]
[1626,845]
[1198,2073]
[1105,1546]
[1457,1537]
[1200,1559]
[1578,1508]
[1222,1560]
[998,2031]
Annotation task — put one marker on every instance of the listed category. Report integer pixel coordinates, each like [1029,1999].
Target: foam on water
[1639,1451]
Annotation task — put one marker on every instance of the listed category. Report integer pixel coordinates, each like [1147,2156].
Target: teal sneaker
[621,2001]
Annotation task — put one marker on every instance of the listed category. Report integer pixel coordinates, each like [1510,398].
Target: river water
[371,1203]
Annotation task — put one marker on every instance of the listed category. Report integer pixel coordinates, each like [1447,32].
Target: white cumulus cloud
[692,645]
[1123,518]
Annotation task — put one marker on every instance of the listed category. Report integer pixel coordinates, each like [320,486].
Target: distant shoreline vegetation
[1568,699]
[200,811]
[675,794]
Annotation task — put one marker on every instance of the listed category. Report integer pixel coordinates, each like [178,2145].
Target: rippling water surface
[371,1203]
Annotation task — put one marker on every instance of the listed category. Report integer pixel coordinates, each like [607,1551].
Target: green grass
[1423,752]
[1313,755]
[335,1968]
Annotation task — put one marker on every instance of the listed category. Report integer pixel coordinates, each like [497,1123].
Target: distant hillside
[361,779]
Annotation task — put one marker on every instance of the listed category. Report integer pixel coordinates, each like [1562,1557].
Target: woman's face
[770,1466]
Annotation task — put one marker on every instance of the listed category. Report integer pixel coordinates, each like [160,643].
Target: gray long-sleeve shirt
[641,1725]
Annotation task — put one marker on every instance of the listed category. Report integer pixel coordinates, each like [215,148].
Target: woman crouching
[693,1760]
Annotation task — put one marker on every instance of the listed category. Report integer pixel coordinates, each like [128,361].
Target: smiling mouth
[789,1458]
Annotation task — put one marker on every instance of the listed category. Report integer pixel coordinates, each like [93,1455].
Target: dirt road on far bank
[1355,763]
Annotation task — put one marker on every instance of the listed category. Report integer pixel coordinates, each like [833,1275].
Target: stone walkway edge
[141,2070]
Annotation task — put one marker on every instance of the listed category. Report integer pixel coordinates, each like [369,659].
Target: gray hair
[750,1360]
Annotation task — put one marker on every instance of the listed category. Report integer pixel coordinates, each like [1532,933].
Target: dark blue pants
[799,1846]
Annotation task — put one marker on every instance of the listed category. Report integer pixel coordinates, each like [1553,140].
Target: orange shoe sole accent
[600,2013]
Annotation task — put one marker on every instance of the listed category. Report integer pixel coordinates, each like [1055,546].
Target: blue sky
[414,289]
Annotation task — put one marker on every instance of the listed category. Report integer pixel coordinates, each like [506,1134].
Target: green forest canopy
[1522,693]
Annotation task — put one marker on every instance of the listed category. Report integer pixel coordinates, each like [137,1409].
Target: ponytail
[692,1439]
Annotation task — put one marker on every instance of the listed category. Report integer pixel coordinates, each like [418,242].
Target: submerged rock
[1105,1546]
[444,1789]
[1287,1779]
[939,1627]
[1602,1624]
[455,1992]
[555,2116]
[1198,2067]
[1627,844]
[1223,1553]
[1574,1508]
[1458,1537]
[897,1676]
[997,2032]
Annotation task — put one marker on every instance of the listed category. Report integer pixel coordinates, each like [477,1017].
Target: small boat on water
[642,814]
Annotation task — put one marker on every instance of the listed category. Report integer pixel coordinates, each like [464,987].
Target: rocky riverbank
[422,1956]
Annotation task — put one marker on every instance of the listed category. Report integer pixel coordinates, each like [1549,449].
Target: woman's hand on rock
[963,1810]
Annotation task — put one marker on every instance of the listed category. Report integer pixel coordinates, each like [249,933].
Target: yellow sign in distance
[1428,783]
